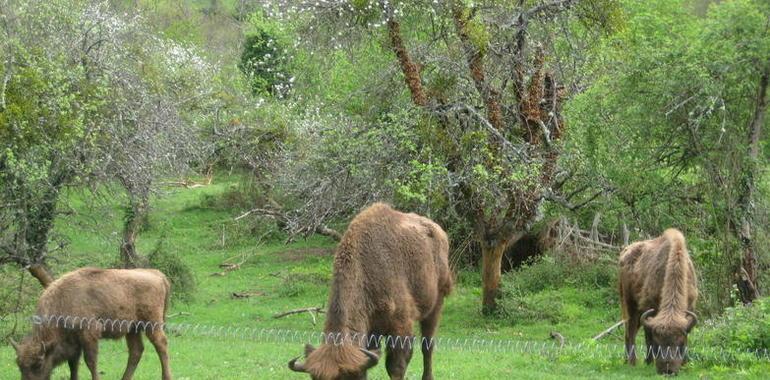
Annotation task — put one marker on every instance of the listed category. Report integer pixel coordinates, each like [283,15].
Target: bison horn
[296,367]
[693,321]
[373,359]
[14,345]
[647,314]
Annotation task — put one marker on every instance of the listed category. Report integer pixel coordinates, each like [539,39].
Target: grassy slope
[294,276]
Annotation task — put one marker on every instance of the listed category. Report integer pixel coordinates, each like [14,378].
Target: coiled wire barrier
[552,349]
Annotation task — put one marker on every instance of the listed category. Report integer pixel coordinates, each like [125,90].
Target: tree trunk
[135,219]
[491,261]
[41,222]
[41,273]
[747,273]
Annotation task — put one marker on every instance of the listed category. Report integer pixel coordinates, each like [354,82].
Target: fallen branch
[298,311]
[249,294]
[309,310]
[609,330]
[282,220]
[181,313]
[228,267]
[188,184]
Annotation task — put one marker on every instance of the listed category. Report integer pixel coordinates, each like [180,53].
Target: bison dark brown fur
[658,289]
[390,270]
[109,294]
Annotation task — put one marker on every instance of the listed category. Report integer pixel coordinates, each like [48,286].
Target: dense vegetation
[187,134]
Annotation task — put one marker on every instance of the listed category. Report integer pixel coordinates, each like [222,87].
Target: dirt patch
[299,254]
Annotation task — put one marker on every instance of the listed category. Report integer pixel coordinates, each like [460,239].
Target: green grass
[285,277]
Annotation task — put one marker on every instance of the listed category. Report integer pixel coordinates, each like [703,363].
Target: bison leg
[158,339]
[135,349]
[73,363]
[632,327]
[91,354]
[428,328]
[399,353]
[649,346]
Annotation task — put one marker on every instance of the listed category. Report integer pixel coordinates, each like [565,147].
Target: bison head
[668,339]
[336,362]
[33,359]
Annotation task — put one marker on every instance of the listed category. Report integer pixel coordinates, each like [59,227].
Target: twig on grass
[247,294]
[179,314]
[309,310]
[609,330]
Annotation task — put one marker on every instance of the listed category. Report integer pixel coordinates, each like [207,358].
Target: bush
[551,271]
[181,277]
[739,328]
[558,290]
[263,61]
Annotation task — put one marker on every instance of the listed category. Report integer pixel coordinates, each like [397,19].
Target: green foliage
[665,125]
[263,61]
[739,328]
[557,290]
[183,285]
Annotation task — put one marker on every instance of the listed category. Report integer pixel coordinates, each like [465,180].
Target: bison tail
[623,308]
[167,299]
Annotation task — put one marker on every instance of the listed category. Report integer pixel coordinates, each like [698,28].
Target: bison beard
[110,294]
[658,289]
[390,270]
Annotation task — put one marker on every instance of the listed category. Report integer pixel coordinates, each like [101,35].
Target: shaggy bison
[658,289]
[94,299]
[390,270]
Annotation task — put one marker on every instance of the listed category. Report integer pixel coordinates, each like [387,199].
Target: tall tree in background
[490,79]
[87,98]
[686,111]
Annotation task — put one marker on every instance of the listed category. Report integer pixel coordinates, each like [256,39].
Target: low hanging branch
[609,330]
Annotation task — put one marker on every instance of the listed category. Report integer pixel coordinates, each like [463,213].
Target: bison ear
[692,321]
[646,316]
[309,349]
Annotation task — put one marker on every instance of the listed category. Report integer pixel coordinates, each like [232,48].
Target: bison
[658,289]
[390,270]
[89,302]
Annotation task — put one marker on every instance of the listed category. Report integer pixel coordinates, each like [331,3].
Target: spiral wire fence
[552,349]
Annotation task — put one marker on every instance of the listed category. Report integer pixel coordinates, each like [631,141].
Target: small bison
[94,299]
[658,289]
[390,270]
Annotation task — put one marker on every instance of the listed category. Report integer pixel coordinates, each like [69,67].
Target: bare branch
[298,311]
[609,330]
[564,202]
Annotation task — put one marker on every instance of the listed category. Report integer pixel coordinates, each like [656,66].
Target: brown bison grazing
[390,270]
[89,302]
[658,289]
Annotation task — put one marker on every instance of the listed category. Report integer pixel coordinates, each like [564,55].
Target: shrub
[739,328]
[557,290]
[263,61]
[181,276]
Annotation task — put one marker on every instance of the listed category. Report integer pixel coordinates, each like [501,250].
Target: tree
[47,127]
[491,80]
[88,98]
[685,110]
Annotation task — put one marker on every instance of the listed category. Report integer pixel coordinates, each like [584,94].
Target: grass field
[282,277]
